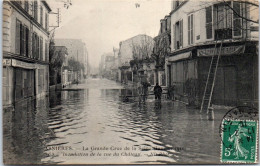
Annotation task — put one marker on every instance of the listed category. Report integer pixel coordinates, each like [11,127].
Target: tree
[75,65]
[143,49]
[161,48]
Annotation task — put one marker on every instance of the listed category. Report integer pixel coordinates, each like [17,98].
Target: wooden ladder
[207,96]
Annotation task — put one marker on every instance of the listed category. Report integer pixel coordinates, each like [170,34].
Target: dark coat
[157,90]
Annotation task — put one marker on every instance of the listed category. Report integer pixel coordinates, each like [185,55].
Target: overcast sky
[102,24]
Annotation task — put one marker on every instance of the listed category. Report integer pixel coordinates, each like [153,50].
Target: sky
[102,24]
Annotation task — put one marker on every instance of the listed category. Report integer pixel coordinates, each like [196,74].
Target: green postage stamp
[239,141]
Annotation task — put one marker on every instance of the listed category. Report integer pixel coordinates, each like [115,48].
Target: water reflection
[163,131]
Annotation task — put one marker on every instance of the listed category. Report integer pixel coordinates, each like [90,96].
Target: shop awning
[180,56]
[231,50]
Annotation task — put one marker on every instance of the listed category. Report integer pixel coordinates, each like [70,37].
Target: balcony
[223,34]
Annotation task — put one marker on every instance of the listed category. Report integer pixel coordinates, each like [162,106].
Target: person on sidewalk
[145,90]
[157,91]
[171,90]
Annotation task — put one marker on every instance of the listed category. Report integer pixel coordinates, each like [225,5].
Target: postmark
[239,135]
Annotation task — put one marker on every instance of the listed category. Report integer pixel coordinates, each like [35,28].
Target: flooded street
[88,117]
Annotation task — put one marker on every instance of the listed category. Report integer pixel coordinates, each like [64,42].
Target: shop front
[23,80]
[236,77]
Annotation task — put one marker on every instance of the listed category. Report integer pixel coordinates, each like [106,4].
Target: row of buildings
[180,55]
[68,62]
[26,47]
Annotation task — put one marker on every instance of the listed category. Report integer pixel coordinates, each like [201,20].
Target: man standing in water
[145,90]
[157,91]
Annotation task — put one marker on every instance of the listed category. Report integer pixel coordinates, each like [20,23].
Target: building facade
[60,73]
[25,50]
[138,48]
[196,28]
[162,48]
[77,51]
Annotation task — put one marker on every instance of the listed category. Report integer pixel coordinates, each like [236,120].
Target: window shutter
[34,46]
[38,47]
[21,39]
[41,16]
[46,21]
[35,10]
[24,40]
[209,29]
[191,29]
[188,29]
[174,37]
[27,42]
[41,48]
[181,33]
[17,37]
[46,52]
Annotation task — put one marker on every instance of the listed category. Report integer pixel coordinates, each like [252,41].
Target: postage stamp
[239,141]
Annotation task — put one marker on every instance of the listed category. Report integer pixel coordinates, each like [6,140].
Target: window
[190,29]
[209,19]
[237,20]
[179,34]
[26,6]
[17,37]
[35,10]
[224,16]
[41,16]
[177,3]
[223,21]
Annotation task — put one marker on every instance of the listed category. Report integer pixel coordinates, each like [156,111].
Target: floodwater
[90,123]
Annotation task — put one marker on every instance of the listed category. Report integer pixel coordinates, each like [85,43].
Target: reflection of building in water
[29,133]
[55,98]
[25,50]
[65,95]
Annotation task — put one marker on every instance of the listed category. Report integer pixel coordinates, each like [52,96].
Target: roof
[46,5]
[140,35]
[61,49]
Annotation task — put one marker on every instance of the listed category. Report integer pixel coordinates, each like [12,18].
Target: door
[24,84]
[18,84]
[230,94]
[225,92]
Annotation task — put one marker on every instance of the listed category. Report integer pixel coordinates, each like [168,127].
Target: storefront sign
[7,62]
[179,57]
[224,51]
[17,63]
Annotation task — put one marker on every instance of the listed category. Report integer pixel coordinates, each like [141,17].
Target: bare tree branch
[239,14]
